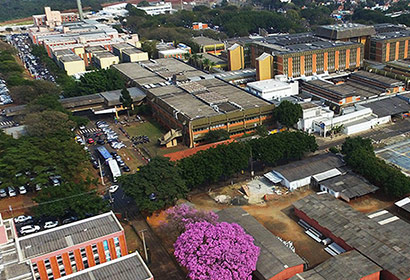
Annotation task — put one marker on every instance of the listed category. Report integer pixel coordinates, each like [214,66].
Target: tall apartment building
[304,55]
[236,58]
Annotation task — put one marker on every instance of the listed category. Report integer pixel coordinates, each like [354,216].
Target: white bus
[114,169]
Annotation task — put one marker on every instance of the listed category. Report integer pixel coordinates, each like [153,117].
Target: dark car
[126,168]
[68,220]
[100,141]
[95,164]
[114,154]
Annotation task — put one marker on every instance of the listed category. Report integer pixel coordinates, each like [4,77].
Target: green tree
[126,100]
[156,186]
[216,136]
[288,113]
[151,48]
[76,198]
[49,123]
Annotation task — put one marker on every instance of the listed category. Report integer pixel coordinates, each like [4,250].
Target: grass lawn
[154,131]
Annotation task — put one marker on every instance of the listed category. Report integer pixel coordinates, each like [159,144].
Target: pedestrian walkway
[87,130]
[6,124]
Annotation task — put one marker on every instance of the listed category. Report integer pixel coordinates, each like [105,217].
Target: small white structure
[273,89]
[157,9]
[313,112]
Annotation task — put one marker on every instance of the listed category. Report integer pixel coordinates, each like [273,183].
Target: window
[117,246]
[106,250]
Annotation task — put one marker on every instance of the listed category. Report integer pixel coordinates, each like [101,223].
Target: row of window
[229,123]
[84,259]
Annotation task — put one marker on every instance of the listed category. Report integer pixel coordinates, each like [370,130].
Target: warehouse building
[387,107]
[347,186]
[193,102]
[380,237]
[347,266]
[404,206]
[299,55]
[276,261]
[306,171]
[209,45]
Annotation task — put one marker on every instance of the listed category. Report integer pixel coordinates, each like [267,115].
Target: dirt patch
[371,203]
[131,238]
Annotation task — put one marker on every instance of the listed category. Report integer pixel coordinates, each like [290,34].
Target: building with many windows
[53,19]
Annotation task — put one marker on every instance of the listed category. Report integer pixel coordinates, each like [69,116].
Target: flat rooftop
[85,100]
[389,106]
[381,237]
[104,54]
[70,58]
[166,68]
[274,256]
[373,77]
[347,266]
[113,97]
[204,41]
[404,204]
[138,74]
[131,51]
[69,235]
[122,46]
[95,49]
[350,185]
[294,43]
[129,267]
[388,27]
[267,85]
[345,31]
[309,166]
[391,35]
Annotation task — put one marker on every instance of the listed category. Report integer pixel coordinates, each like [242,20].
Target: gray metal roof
[383,242]
[350,185]
[274,256]
[129,267]
[72,102]
[309,166]
[112,97]
[348,266]
[390,106]
[344,31]
[64,236]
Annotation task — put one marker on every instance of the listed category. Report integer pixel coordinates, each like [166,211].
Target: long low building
[193,102]
[276,261]
[380,236]
[348,266]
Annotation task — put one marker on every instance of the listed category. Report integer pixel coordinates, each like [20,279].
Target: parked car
[113,188]
[90,141]
[38,187]
[68,220]
[22,190]
[50,224]
[82,127]
[95,164]
[126,168]
[22,219]
[121,163]
[29,229]
[100,141]
[55,181]
[11,191]
[3,193]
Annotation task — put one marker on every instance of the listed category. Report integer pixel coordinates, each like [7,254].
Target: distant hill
[14,9]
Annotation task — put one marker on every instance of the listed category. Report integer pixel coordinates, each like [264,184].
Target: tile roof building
[380,237]
[276,261]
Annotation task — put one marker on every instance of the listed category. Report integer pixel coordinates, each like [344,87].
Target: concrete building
[353,32]
[273,89]
[404,206]
[264,67]
[209,45]
[52,19]
[167,50]
[300,55]
[157,8]
[91,248]
[219,62]
[117,49]
[104,60]
[380,236]
[348,266]
[313,113]
[199,26]
[390,43]
[134,55]
[386,107]
[276,261]
[71,63]
[193,102]
[236,59]
[300,173]
[347,186]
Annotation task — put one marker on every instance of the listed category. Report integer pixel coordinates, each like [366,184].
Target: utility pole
[101,175]
[144,244]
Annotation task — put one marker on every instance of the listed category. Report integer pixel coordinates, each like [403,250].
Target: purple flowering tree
[216,252]
[181,215]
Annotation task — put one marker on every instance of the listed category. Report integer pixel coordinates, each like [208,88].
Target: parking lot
[32,63]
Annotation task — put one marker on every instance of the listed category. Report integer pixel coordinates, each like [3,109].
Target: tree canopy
[360,156]
[155,186]
[288,113]
[216,252]
[216,135]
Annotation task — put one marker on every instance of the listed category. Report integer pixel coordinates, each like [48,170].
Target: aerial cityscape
[204,140]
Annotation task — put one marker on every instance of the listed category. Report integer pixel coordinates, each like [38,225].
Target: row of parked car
[27,224]
[111,137]
[33,64]
[5,97]
[54,180]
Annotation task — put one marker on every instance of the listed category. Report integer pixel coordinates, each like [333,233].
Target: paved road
[377,134]
[162,265]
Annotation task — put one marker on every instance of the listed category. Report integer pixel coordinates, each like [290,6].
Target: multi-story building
[209,45]
[52,19]
[304,55]
[157,9]
[390,45]
[167,50]
[92,248]
[104,60]
[192,102]
[236,58]
[353,32]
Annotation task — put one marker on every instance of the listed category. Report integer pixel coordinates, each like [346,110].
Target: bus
[114,169]
[103,153]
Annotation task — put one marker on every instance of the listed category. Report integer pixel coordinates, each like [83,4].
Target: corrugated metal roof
[274,256]
[61,237]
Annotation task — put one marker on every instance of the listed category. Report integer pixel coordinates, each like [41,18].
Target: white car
[29,229]
[113,188]
[22,190]
[50,224]
[22,219]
